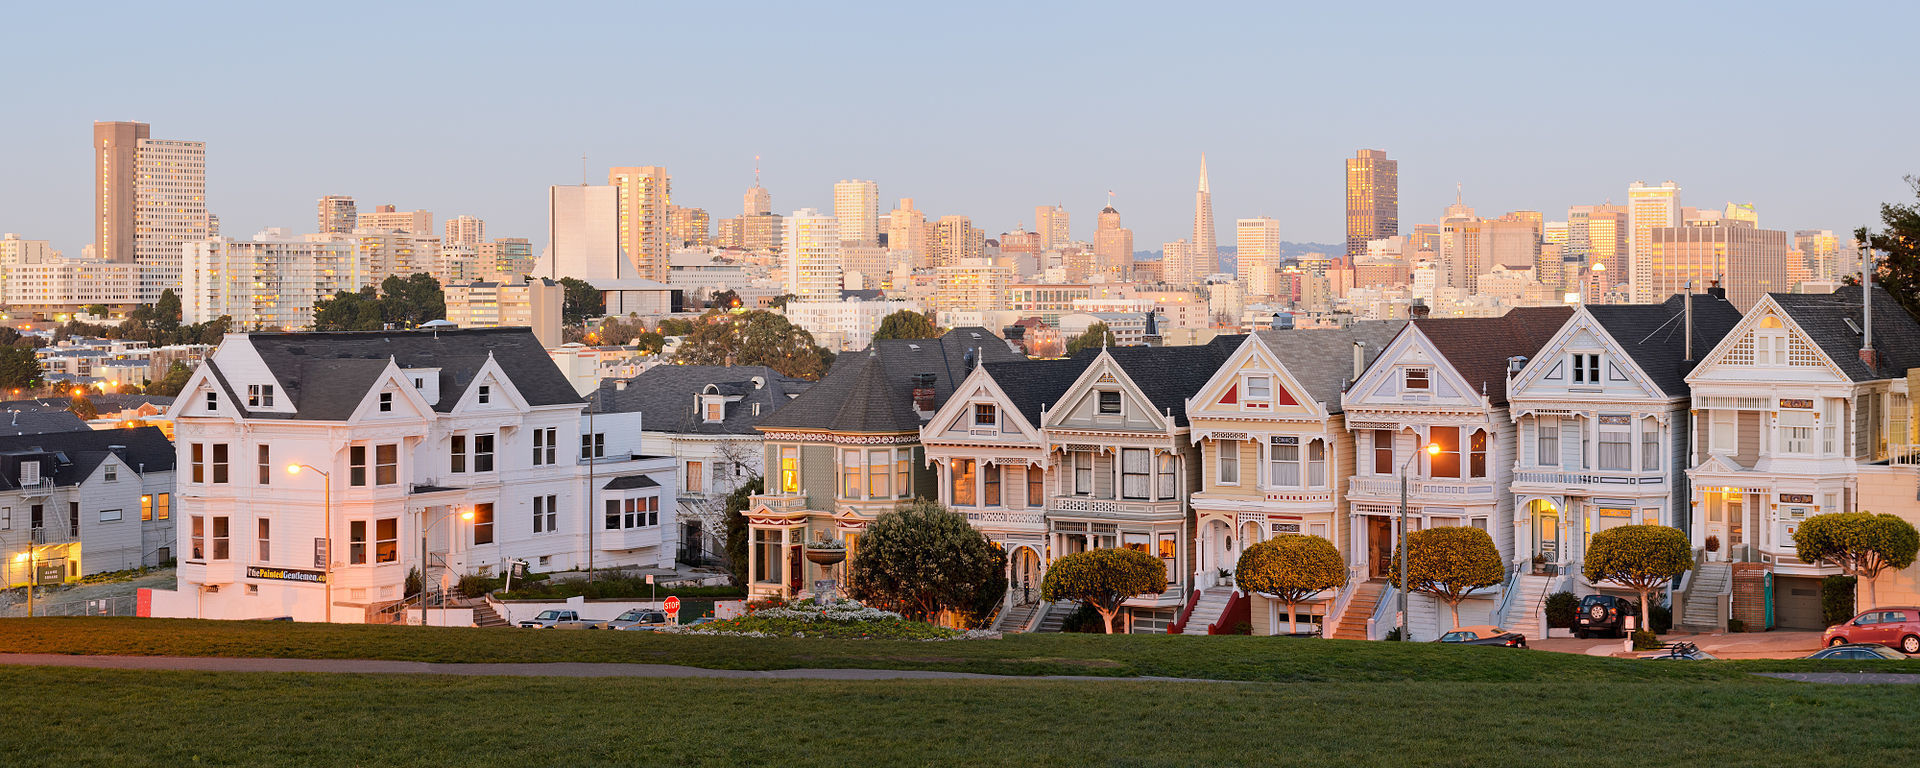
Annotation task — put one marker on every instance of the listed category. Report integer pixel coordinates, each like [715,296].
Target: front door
[1546,535]
[1379,545]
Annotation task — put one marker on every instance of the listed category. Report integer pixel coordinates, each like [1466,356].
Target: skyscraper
[691,227]
[1648,207]
[955,239]
[810,256]
[1051,223]
[856,204]
[907,232]
[1257,241]
[1750,262]
[465,230]
[116,156]
[1204,253]
[583,233]
[1112,248]
[150,200]
[645,192]
[337,215]
[757,201]
[1373,199]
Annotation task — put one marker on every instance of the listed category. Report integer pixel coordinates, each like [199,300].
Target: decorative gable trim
[1736,348]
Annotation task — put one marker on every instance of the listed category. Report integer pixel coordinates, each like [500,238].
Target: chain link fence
[117,605]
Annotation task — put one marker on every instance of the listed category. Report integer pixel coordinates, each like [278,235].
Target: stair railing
[1378,623]
[1342,599]
[1039,616]
[1508,587]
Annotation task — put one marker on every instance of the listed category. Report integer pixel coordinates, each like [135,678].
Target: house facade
[82,502]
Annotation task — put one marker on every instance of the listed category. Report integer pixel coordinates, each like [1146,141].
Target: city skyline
[1270,160]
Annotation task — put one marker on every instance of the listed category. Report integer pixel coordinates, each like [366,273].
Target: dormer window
[386,402]
[1418,379]
[486,394]
[715,409]
[1109,402]
[983,414]
[1586,369]
[213,402]
[29,473]
[259,395]
[419,383]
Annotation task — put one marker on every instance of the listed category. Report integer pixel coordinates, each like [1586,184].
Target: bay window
[1477,454]
[1036,487]
[903,473]
[1134,468]
[1317,464]
[1546,434]
[963,479]
[850,465]
[990,474]
[1446,463]
[1082,473]
[1615,446]
[1169,486]
[1650,445]
[789,469]
[880,473]
[1283,461]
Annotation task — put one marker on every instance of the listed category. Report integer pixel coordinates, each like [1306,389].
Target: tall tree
[1642,558]
[1448,563]
[1291,568]
[356,311]
[174,380]
[1899,269]
[1104,579]
[735,515]
[580,301]
[754,338]
[907,324]
[167,312]
[724,300]
[1862,544]
[82,406]
[922,559]
[409,301]
[19,369]
[1096,335]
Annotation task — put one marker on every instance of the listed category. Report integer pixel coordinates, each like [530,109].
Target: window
[880,473]
[1796,432]
[1036,487]
[357,465]
[162,506]
[1109,401]
[220,462]
[485,395]
[1650,445]
[766,556]
[1259,388]
[357,542]
[1169,484]
[458,455]
[1586,369]
[483,523]
[386,540]
[850,465]
[613,514]
[6,516]
[386,464]
[483,452]
[963,479]
[73,518]
[1830,427]
[1383,451]
[1417,379]
[111,473]
[1546,432]
[1227,460]
[1168,550]
[903,473]
[1720,434]
[386,402]
[546,513]
[715,409]
[30,471]
[991,477]
[1317,464]
[983,414]
[1134,466]
[199,542]
[695,480]
[1447,462]
[213,402]
[1283,462]
[1477,454]
[259,396]
[789,469]
[546,444]
[220,538]
[109,515]
[1615,445]
[264,541]
[1082,473]
[593,446]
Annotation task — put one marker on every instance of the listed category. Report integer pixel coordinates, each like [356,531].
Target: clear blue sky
[983,109]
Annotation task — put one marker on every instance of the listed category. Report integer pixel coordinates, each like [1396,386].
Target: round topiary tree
[1104,578]
[1862,544]
[1640,558]
[1291,568]
[921,559]
[1448,563]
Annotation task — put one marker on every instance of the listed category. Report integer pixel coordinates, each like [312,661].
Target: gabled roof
[1654,334]
[1825,318]
[327,375]
[1478,347]
[146,449]
[667,396]
[1321,359]
[871,390]
[1167,376]
[1033,384]
[29,417]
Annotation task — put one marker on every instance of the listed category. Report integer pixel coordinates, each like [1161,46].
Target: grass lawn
[122,718]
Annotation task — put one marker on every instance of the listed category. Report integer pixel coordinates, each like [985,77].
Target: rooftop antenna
[1109,198]
[756,170]
[583,169]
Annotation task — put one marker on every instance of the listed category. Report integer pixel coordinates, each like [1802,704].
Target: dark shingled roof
[1170,375]
[630,482]
[1478,347]
[28,417]
[871,390]
[1322,358]
[668,396]
[1032,384]
[1825,318]
[327,374]
[1654,334]
[146,449]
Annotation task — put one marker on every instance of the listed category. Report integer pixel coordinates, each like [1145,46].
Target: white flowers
[837,611]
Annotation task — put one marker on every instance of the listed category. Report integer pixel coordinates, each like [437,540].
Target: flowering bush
[777,617]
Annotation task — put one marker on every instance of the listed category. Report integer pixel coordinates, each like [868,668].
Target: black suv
[1603,614]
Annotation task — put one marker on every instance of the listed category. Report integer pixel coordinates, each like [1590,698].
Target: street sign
[649,578]
[320,552]
[672,607]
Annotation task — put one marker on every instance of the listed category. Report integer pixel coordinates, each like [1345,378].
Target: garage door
[1796,603]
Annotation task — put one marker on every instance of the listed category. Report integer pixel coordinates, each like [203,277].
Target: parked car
[1602,614]
[1484,634]
[1858,651]
[637,619]
[1681,652]
[1896,627]
[549,619]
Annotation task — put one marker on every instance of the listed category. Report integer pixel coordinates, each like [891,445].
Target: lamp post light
[326,561]
[427,527]
[1406,550]
[28,556]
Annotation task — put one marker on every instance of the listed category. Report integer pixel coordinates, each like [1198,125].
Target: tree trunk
[1872,600]
[1107,616]
[1292,623]
[1645,611]
[1455,605]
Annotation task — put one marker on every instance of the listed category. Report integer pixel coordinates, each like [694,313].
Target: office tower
[645,192]
[465,230]
[116,157]
[1257,241]
[1051,222]
[1020,241]
[1373,199]
[1112,248]
[418,222]
[1648,207]
[1425,237]
[337,216]
[810,256]
[689,227]
[857,205]
[974,285]
[1748,261]
[726,234]
[583,234]
[1742,212]
[1512,241]
[761,233]
[508,256]
[1205,251]
[955,239]
[1822,253]
[757,201]
[907,232]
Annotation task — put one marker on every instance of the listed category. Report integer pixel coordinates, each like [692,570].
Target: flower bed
[839,619]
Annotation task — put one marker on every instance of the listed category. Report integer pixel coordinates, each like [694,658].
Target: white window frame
[1227,462]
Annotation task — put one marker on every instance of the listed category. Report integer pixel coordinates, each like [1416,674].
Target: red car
[1895,627]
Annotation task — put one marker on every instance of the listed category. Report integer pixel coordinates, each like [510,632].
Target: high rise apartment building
[1748,261]
[1176,260]
[644,192]
[1053,225]
[955,240]
[1204,253]
[509,256]
[973,285]
[150,200]
[465,230]
[270,282]
[516,303]
[417,222]
[856,204]
[116,160]
[1257,241]
[810,256]
[1373,199]
[337,215]
[907,232]
[1649,207]
[691,227]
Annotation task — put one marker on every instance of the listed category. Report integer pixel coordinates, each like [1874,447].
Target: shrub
[1638,557]
[1661,616]
[1243,628]
[1448,563]
[922,559]
[1837,599]
[1291,568]
[1645,641]
[473,585]
[1393,634]
[1563,609]
[1104,578]
[1084,619]
[1862,544]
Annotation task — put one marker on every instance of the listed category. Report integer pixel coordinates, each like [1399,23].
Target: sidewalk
[1779,644]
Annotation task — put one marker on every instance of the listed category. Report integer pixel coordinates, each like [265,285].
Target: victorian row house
[80,502]
[318,469]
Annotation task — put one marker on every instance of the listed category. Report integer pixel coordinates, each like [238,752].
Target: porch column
[753,563]
[786,566]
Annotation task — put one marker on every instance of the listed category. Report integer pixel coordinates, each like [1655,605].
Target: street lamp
[326,501]
[28,556]
[426,528]
[1406,550]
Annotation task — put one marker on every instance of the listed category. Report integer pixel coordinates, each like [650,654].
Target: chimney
[1687,304]
[1514,364]
[923,392]
[1359,359]
[1714,290]
[1418,310]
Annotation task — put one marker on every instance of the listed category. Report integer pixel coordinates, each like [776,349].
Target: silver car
[638,620]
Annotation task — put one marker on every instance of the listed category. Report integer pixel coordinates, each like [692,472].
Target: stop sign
[672,606]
